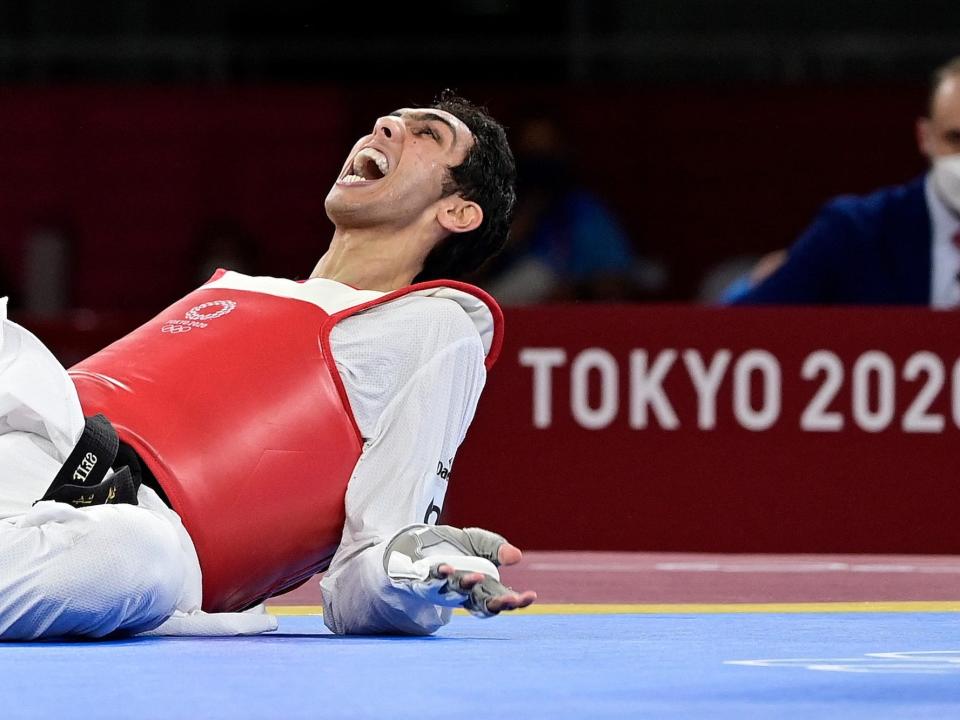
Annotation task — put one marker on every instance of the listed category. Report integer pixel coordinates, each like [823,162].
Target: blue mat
[532,666]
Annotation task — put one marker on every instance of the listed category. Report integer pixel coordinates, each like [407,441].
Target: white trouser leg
[88,572]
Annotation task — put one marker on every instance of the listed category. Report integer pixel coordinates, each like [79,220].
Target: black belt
[82,479]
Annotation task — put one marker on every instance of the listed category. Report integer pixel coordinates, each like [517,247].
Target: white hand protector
[413,556]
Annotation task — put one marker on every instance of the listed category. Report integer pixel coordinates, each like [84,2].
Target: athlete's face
[394,175]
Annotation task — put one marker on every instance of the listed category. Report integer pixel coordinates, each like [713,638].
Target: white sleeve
[401,477]
[40,417]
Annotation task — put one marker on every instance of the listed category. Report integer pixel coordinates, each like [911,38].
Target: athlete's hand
[454,567]
[499,597]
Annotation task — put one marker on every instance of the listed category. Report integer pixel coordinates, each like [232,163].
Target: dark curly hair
[487,176]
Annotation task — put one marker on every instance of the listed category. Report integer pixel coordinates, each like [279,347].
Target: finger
[490,596]
[484,543]
[464,581]
[458,581]
[509,554]
[511,601]
[446,570]
[471,579]
[527,598]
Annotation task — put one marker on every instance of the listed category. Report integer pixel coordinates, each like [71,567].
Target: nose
[388,127]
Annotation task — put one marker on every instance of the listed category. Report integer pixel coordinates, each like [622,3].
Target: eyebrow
[427,117]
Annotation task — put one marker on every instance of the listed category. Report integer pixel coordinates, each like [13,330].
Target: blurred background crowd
[668,150]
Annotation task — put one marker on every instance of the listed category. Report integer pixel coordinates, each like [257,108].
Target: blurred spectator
[224,244]
[48,253]
[565,244]
[899,245]
[734,278]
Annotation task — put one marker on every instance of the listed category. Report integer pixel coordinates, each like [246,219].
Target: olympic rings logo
[195,317]
[226,306]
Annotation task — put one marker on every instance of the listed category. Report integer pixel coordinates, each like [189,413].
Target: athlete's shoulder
[378,351]
[482,310]
[429,321]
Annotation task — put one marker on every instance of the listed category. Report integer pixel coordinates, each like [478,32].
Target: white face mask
[946,180]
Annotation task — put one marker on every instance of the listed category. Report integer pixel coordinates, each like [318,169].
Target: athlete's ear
[457,215]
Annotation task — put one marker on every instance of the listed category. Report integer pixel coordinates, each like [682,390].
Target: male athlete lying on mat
[245,408]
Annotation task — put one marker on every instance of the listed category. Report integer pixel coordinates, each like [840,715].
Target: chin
[330,202]
[347,213]
[338,207]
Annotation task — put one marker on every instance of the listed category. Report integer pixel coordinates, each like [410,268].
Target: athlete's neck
[370,259]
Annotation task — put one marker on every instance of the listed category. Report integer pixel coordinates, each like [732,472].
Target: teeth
[349,179]
[376,156]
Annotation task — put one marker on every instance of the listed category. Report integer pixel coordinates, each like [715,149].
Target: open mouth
[368,165]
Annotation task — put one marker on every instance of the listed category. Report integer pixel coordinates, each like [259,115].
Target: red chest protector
[232,398]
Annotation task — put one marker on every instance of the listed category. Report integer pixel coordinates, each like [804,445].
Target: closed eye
[426,130]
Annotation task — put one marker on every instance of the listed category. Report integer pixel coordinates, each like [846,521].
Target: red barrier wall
[813,430]
[137,172]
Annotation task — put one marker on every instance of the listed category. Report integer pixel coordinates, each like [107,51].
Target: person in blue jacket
[897,246]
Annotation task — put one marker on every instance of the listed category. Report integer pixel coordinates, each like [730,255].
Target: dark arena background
[730,508]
